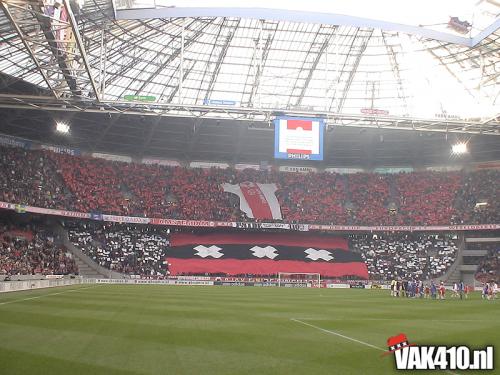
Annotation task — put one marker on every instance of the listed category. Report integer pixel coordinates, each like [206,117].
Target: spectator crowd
[51,180]
[31,178]
[407,256]
[489,268]
[133,250]
[30,250]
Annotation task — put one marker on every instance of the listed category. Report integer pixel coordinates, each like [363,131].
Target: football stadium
[219,187]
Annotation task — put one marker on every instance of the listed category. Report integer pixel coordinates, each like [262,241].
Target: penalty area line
[46,295]
[348,338]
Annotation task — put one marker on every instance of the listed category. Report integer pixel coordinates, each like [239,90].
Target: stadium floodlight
[62,127]
[459,148]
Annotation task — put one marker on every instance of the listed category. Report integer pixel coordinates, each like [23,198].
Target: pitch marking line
[46,295]
[393,319]
[338,334]
[347,337]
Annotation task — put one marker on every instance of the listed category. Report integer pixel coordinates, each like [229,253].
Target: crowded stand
[30,250]
[312,198]
[406,255]
[478,200]
[84,184]
[427,198]
[370,195]
[489,268]
[133,250]
[30,177]
[95,183]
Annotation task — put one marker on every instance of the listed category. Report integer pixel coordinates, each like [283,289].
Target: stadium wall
[7,140]
[12,286]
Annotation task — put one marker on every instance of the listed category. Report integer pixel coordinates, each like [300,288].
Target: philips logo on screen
[299,156]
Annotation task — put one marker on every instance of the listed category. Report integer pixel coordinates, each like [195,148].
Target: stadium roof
[386,73]
[425,17]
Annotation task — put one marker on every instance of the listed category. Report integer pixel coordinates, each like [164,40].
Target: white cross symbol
[318,254]
[212,251]
[261,252]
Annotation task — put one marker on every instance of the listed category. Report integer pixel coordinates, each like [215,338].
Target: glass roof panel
[430,14]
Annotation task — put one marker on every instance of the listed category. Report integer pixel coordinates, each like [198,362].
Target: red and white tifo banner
[258,201]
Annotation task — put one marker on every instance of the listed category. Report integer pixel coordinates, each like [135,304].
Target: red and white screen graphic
[299,137]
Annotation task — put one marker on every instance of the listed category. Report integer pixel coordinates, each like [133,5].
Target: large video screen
[298,138]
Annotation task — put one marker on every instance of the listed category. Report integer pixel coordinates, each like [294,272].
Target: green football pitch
[128,329]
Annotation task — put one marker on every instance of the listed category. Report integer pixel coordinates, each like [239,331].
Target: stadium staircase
[345,180]
[393,195]
[86,266]
[348,205]
[475,255]
[454,273]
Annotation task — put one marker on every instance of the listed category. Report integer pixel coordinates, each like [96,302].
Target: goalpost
[299,280]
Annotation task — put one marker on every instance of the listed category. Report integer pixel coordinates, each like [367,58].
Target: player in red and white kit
[442,290]
[467,289]
[427,291]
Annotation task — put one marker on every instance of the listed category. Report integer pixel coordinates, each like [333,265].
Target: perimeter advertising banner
[298,138]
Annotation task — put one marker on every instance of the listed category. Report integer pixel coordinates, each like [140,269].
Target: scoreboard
[298,138]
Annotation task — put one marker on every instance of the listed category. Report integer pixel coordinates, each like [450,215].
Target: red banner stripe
[264,267]
[295,151]
[295,124]
[256,200]
[285,239]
